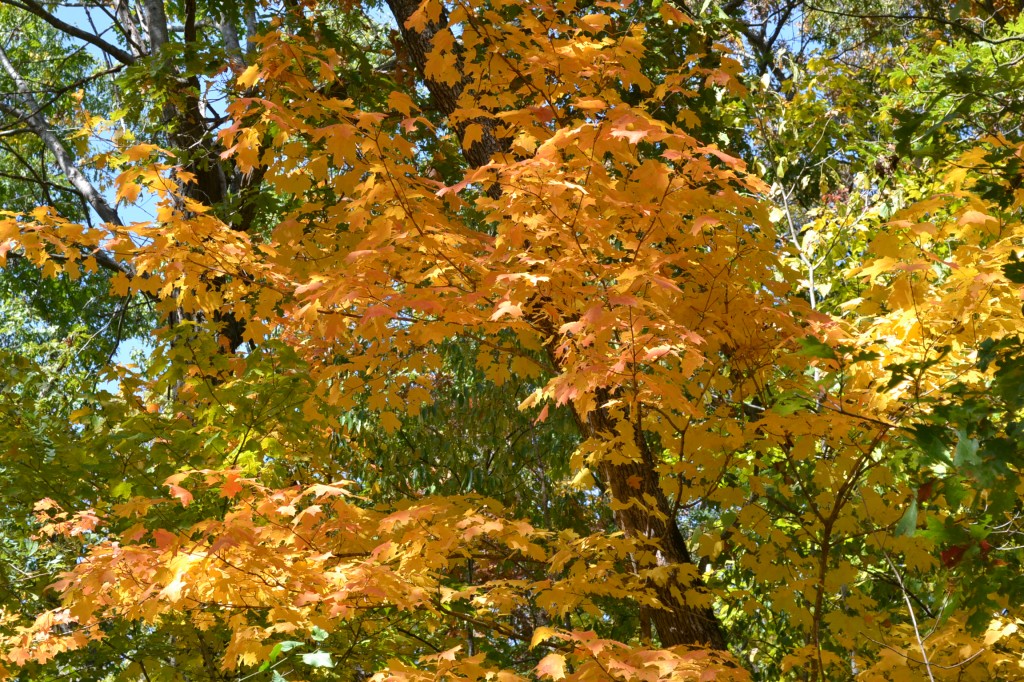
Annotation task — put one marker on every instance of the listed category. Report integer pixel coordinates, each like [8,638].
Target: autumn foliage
[764,474]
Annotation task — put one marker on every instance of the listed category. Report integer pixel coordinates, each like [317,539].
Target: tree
[484,355]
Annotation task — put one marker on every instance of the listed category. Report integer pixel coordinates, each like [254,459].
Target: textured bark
[630,484]
[444,96]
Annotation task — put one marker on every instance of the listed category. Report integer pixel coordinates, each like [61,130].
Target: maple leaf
[553,666]
[231,486]
[631,136]
[182,495]
[342,294]
[172,591]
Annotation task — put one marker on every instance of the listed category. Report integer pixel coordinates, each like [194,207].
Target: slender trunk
[156,24]
[643,511]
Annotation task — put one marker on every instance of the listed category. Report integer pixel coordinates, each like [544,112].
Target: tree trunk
[445,96]
[630,484]
[677,622]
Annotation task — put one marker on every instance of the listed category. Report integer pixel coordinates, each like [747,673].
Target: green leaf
[954,491]
[929,437]
[280,648]
[865,356]
[318,659]
[122,490]
[789,402]
[815,348]
[1014,270]
[319,634]
[908,522]
[966,452]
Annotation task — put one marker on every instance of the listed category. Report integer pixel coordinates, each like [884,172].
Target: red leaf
[924,493]
[952,555]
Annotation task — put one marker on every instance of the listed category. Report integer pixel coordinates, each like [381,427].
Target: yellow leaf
[78,414]
[248,77]
[141,151]
[541,634]
[591,104]
[390,421]
[128,192]
[401,102]
[474,133]
[583,480]
[997,630]
[120,284]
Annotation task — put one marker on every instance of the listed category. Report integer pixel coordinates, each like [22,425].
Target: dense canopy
[505,340]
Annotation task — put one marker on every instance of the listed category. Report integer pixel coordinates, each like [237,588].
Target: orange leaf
[184,496]
[553,666]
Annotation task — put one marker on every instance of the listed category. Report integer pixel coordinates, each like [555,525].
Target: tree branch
[34,119]
[79,182]
[33,8]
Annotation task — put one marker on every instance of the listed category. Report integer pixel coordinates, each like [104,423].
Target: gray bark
[156,23]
